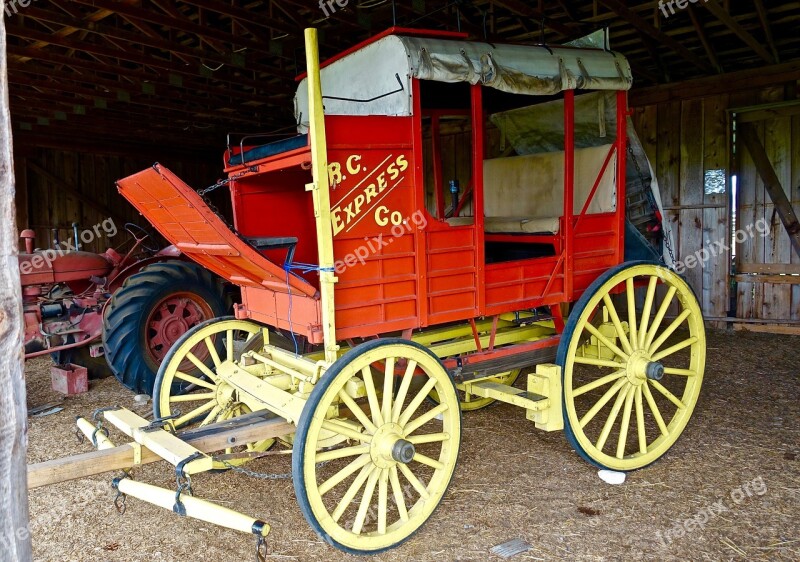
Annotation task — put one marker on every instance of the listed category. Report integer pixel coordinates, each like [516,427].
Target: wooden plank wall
[686,139]
[56,188]
[771,254]
[682,140]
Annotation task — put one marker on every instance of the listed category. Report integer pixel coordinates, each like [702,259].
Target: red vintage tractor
[112,312]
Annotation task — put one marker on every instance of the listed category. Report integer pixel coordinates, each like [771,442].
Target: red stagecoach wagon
[402,258]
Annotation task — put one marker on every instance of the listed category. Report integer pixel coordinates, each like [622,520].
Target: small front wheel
[377,488]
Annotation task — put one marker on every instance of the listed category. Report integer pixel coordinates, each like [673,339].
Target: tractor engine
[63,295]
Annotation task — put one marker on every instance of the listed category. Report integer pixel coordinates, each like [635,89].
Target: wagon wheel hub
[388,446]
[640,368]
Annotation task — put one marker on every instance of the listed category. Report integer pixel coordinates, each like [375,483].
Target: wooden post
[772,184]
[15,541]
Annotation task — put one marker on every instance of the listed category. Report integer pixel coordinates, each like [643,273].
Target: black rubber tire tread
[298,475]
[124,330]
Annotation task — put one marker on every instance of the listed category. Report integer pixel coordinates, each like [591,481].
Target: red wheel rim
[170,319]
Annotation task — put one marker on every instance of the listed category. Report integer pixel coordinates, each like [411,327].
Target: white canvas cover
[376,79]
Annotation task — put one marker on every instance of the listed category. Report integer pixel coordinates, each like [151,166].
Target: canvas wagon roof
[375,77]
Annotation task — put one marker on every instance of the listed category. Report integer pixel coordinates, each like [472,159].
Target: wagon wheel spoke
[366,500]
[631,296]
[626,420]
[403,390]
[212,351]
[599,382]
[648,305]
[612,313]
[612,417]
[669,331]
[383,500]
[388,385]
[191,397]
[343,474]
[351,492]
[662,311]
[641,430]
[372,396]
[589,416]
[397,492]
[357,411]
[194,380]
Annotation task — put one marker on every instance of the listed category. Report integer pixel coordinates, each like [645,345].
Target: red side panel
[181,216]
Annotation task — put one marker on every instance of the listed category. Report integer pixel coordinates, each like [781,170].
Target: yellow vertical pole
[320,188]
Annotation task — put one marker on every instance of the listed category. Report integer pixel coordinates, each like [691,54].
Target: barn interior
[101,89]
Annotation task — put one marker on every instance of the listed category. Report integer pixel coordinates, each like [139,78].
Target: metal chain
[226,181]
[264,475]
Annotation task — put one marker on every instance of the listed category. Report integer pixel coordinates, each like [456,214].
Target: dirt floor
[729,489]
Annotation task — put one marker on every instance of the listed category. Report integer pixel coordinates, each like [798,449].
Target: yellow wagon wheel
[625,406]
[200,398]
[470,402]
[374,492]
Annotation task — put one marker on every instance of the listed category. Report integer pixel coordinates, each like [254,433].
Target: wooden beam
[778,110]
[523,9]
[214,437]
[174,47]
[729,83]
[763,15]
[698,27]
[776,279]
[15,536]
[772,183]
[648,30]
[723,15]
[769,329]
[769,268]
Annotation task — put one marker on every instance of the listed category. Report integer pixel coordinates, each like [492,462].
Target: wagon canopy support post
[320,188]
[15,540]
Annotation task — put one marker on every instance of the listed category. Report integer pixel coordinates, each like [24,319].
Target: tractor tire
[151,311]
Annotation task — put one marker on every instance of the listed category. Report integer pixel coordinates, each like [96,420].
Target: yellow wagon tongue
[181,216]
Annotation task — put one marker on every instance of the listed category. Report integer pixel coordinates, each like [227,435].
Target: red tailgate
[183,218]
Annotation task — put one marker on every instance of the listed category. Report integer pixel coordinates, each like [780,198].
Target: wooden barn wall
[770,256]
[685,140]
[56,188]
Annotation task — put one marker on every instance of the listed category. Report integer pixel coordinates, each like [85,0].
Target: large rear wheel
[632,355]
[150,312]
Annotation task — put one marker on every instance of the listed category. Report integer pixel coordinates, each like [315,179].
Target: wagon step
[542,398]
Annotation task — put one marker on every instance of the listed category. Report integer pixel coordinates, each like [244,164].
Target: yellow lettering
[381,181]
[402,162]
[353,167]
[338,223]
[358,202]
[380,214]
[335,173]
[371,192]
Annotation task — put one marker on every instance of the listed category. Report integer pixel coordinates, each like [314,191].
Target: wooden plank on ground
[121,457]
[769,328]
